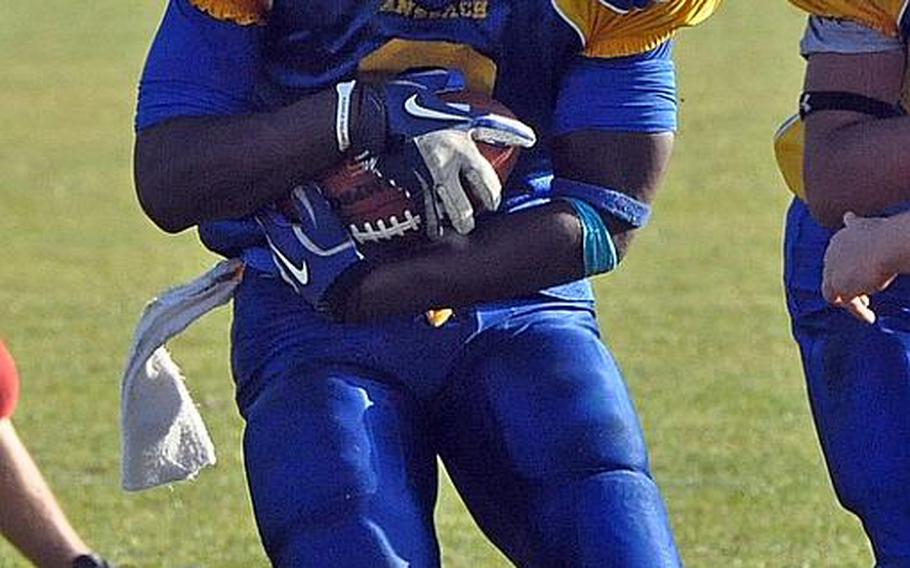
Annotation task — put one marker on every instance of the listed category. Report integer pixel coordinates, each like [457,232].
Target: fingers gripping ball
[9,383]
[502,158]
[385,215]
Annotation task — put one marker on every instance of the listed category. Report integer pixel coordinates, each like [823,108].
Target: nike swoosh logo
[415,109]
[301,275]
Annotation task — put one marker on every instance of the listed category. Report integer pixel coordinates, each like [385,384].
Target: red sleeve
[9,383]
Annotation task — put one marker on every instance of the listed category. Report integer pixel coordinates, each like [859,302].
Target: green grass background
[696,315]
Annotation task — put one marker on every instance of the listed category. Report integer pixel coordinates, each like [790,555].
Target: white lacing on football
[385,230]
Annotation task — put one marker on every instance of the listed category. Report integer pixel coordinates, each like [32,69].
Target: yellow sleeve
[243,12]
[881,15]
[607,32]
[789,143]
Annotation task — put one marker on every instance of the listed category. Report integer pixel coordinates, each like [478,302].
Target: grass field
[696,315]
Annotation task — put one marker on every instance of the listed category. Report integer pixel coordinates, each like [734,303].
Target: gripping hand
[415,106]
[309,245]
[432,143]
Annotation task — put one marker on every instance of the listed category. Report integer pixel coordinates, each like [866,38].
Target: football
[384,217]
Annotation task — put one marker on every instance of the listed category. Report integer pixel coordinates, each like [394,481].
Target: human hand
[415,106]
[309,245]
[857,264]
[436,145]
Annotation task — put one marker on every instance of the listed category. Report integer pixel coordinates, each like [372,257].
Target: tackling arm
[854,161]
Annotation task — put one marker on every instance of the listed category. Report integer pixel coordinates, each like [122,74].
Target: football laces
[385,229]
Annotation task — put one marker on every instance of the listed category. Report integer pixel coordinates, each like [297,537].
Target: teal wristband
[597,245]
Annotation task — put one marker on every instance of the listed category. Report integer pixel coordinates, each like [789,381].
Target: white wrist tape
[343,115]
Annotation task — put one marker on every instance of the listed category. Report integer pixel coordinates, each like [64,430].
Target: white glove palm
[459,172]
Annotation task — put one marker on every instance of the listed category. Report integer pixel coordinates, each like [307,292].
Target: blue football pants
[521,401]
[859,388]
[858,381]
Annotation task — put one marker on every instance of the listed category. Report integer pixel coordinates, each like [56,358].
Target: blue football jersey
[557,64]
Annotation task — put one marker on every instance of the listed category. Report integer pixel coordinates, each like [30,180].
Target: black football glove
[91,560]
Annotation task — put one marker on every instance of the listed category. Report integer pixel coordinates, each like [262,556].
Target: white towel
[164,437]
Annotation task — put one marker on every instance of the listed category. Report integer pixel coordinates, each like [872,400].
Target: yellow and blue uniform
[521,400]
[886,16]
[858,375]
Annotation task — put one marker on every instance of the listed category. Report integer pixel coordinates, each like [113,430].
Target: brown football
[383,217]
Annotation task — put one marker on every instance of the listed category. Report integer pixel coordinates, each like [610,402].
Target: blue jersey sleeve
[632,94]
[198,65]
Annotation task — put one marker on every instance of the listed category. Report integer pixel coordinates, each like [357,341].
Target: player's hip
[805,242]
[276,331]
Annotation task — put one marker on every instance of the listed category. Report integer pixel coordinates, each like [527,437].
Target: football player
[853,159]
[349,396]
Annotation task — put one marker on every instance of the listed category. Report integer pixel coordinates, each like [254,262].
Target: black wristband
[369,122]
[815,101]
[90,560]
[336,300]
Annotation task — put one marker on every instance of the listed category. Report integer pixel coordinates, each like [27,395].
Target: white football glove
[439,145]
[459,172]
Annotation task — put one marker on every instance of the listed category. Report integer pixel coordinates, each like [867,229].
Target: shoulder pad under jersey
[243,12]
[886,16]
[606,31]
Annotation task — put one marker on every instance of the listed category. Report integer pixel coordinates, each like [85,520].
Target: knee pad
[326,491]
[9,383]
[612,518]
[308,463]
[600,434]
[356,543]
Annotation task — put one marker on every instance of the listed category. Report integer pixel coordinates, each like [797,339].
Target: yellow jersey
[606,32]
[890,17]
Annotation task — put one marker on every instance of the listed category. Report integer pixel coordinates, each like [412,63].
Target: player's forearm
[495,262]
[30,516]
[861,166]
[194,169]
[523,252]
